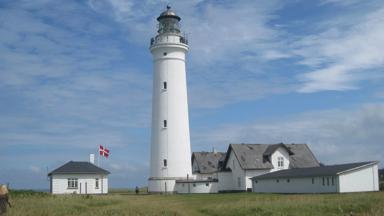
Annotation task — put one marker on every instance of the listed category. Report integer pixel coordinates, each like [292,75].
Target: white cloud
[344,54]
[218,35]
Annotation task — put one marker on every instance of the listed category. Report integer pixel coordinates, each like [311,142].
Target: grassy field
[126,203]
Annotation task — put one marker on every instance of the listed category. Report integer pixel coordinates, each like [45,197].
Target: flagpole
[98,158]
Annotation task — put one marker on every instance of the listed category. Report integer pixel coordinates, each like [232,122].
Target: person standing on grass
[4,200]
[137,190]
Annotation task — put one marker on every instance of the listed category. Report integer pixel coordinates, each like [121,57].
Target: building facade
[233,170]
[342,178]
[79,178]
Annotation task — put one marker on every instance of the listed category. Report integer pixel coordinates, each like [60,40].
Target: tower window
[165,162]
[164,85]
[165,124]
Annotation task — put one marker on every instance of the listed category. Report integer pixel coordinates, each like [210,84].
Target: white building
[79,178]
[232,170]
[170,140]
[244,161]
[342,178]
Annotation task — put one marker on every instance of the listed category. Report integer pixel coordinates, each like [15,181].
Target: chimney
[92,158]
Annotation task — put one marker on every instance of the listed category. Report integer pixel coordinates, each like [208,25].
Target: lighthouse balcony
[165,39]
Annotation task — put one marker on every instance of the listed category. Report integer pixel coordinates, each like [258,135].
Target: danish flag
[103,151]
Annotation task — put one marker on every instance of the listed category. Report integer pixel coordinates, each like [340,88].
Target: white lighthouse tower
[170,142]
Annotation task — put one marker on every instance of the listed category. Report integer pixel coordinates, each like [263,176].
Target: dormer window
[280,162]
[164,85]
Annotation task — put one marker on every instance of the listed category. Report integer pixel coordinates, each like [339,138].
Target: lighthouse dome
[168,14]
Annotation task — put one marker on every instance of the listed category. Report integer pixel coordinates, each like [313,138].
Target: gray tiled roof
[208,161]
[253,156]
[331,170]
[79,167]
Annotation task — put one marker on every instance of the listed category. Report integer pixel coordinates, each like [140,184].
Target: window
[277,180]
[165,124]
[165,85]
[165,162]
[255,181]
[323,181]
[313,180]
[333,180]
[328,181]
[280,162]
[207,184]
[164,54]
[72,183]
[194,185]
[97,183]
[182,185]
[238,181]
[288,180]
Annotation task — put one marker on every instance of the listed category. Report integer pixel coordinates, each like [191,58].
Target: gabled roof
[251,156]
[79,167]
[272,148]
[207,162]
[331,170]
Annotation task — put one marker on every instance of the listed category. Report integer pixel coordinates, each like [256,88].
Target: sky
[76,74]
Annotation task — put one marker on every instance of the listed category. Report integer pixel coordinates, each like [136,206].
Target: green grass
[122,202]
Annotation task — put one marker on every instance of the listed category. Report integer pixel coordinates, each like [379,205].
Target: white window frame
[72,183]
[280,162]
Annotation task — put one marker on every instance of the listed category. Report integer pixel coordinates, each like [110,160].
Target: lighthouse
[170,140]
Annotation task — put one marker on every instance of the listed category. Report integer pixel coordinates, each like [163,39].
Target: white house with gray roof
[342,178]
[244,161]
[79,178]
[232,170]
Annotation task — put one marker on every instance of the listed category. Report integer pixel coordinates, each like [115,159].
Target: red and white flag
[103,151]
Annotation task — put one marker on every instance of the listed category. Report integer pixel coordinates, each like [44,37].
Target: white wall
[252,173]
[237,173]
[85,185]
[225,181]
[296,185]
[280,152]
[200,176]
[171,143]
[162,186]
[364,179]
[197,187]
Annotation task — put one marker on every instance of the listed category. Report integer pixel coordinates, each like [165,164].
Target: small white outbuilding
[80,178]
[341,178]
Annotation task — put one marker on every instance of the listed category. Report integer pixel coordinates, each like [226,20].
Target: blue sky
[75,74]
